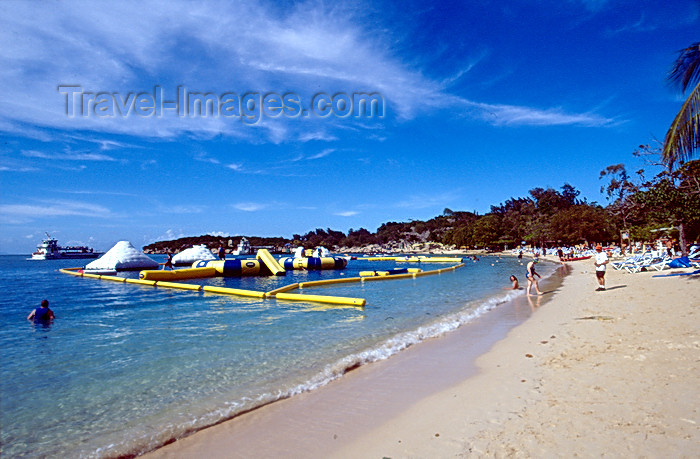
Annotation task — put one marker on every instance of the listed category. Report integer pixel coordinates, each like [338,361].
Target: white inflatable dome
[196,253]
[123,256]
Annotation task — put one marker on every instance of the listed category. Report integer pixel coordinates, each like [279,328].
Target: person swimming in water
[42,314]
[514,280]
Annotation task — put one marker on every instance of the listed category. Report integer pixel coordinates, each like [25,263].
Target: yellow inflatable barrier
[440,259]
[231,268]
[141,281]
[177,274]
[114,278]
[322,299]
[390,272]
[233,291]
[428,273]
[395,276]
[329,282]
[286,288]
[408,259]
[426,259]
[270,263]
[178,285]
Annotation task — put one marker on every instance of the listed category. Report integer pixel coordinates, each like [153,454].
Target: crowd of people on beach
[658,255]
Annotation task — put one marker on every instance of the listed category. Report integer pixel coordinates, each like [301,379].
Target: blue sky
[482,101]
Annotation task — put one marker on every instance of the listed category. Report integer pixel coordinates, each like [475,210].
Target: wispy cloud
[347,213]
[97,192]
[205,158]
[22,213]
[500,114]
[309,47]
[182,209]
[483,54]
[17,168]
[68,156]
[322,154]
[316,135]
[249,206]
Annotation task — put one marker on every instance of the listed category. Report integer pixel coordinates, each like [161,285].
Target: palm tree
[683,137]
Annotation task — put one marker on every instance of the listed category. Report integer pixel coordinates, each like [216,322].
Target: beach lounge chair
[645,264]
[630,261]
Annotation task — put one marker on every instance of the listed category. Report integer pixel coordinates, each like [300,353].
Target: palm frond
[683,137]
[686,69]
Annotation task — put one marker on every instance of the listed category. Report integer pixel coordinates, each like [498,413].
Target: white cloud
[68,156]
[499,114]
[322,154]
[182,209]
[347,213]
[240,47]
[22,213]
[249,206]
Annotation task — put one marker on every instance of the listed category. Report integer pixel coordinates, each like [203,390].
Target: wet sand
[567,380]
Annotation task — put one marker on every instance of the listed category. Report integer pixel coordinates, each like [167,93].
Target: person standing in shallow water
[42,314]
[531,273]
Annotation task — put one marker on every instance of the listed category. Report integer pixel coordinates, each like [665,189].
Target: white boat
[243,248]
[50,250]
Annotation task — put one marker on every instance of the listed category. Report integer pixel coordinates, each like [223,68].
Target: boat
[243,248]
[50,250]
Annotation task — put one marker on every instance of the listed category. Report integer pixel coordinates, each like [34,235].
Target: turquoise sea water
[125,368]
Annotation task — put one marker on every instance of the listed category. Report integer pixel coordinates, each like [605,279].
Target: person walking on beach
[530,274]
[601,259]
[222,252]
[42,314]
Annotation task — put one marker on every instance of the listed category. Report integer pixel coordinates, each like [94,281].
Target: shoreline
[414,373]
[548,387]
[590,374]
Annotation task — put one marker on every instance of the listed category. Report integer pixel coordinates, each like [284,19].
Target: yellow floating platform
[322,299]
[233,291]
[314,263]
[269,262]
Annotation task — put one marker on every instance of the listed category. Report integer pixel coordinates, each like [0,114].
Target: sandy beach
[588,374]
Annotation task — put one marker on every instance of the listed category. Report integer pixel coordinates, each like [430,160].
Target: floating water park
[125,257]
